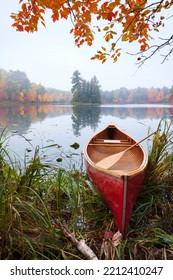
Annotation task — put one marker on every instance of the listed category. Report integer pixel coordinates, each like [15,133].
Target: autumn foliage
[15,86]
[139,95]
[118,20]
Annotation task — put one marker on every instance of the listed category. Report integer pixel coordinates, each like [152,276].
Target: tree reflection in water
[85,116]
[64,124]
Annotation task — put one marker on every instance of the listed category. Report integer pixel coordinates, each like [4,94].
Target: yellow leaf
[87,16]
[103,48]
[146,12]
[106,28]
[113,46]
[112,6]
[124,37]
[118,50]
[76,6]
[107,37]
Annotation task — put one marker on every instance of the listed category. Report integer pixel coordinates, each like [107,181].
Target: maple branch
[72,14]
[168,54]
[137,11]
[154,4]
[157,48]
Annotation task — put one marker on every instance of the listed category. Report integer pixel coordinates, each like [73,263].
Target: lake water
[59,126]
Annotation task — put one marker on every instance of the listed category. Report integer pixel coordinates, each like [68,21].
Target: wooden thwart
[111,141]
[109,161]
[125,144]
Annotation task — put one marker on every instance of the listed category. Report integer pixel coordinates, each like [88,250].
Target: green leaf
[75,146]
[59,159]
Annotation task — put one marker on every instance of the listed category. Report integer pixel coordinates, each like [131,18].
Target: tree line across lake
[15,86]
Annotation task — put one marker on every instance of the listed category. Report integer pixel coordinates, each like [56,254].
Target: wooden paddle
[111,160]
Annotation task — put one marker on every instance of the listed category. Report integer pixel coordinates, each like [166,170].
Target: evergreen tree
[77,86]
[85,91]
[95,95]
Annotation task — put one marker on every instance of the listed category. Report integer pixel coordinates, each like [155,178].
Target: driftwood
[80,245]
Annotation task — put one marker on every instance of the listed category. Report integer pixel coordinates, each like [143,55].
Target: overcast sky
[50,57]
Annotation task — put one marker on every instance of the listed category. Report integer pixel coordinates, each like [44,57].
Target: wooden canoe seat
[113,142]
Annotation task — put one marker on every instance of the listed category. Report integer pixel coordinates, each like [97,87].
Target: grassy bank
[43,209]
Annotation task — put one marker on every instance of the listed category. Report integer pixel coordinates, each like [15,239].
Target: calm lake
[59,126]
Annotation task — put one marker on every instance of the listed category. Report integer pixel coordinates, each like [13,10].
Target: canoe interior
[112,141]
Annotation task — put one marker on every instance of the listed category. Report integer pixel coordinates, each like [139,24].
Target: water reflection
[20,117]
[43,125]
[138,113]
[85,116]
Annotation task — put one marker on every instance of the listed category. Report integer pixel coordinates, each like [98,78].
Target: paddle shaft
[140,141]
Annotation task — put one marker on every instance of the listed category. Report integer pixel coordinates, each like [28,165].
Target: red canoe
[117,174]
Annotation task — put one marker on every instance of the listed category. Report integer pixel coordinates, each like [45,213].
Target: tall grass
[34,197]
[152,218]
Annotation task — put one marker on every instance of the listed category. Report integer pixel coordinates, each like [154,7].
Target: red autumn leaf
[55,16]
[20,27]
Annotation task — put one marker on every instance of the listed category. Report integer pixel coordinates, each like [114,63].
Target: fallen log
[81,246]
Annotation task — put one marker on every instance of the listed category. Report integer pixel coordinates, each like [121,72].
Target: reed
[152,219]
[34,197]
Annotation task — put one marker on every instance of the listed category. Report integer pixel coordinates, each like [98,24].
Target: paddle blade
[107,162]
